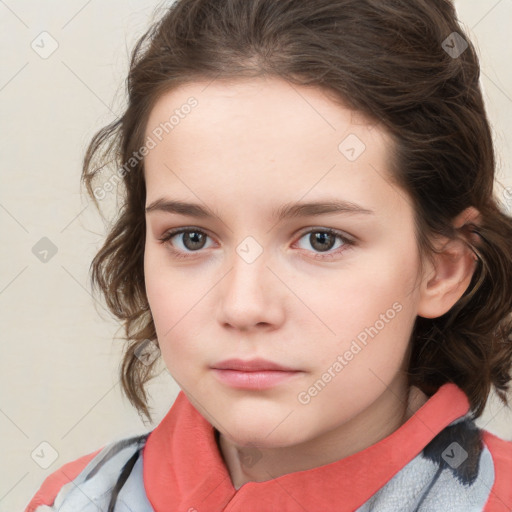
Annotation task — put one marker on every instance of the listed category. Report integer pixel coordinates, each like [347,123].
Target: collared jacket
[437,461]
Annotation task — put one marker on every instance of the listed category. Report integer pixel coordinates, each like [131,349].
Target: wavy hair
[396,61]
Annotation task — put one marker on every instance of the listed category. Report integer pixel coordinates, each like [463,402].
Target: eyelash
[347,242]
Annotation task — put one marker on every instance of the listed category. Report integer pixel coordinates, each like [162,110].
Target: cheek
[157,284]
[168,289]
[371,316]
[174,299]
[377,293]
[164,293]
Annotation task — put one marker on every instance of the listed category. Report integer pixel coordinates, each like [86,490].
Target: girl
[310,240]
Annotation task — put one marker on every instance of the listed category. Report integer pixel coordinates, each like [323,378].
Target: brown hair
[392,60]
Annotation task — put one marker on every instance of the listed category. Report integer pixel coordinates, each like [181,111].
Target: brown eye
[188,240]
[193,240]
[324,240]
[183,242]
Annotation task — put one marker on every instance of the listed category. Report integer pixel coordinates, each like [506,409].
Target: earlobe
[445,282]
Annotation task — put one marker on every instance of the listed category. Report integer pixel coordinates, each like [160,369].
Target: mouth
[253,374]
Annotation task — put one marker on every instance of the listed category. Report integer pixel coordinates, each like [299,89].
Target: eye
[323,240]
[193,240]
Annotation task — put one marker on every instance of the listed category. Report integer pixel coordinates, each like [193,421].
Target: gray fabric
[92,493]
[407,488]
[431,482]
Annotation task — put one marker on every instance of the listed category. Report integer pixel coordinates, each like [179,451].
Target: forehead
[259,103]
[221,135]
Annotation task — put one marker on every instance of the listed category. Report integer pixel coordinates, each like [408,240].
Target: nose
[251,295]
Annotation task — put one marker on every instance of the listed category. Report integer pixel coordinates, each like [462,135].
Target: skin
[250,146]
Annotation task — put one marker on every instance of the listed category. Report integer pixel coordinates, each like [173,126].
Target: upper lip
[251,365]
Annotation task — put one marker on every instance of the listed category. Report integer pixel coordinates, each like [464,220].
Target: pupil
[321,237]
[195,237]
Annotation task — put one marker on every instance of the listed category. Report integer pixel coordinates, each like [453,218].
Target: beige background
[59,366]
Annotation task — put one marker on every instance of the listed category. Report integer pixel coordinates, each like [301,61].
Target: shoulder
[480,462]
[99,471]
[500,497]
[462,468]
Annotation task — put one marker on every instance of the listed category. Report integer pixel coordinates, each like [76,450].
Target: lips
[255,374]
[252,365]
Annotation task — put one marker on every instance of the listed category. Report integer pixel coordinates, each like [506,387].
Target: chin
[260,441]
[263,434]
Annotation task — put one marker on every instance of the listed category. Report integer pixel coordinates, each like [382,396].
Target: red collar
[183,465]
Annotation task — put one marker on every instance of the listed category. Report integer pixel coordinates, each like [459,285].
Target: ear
[445,282]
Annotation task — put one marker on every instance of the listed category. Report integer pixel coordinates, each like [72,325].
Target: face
[330,294]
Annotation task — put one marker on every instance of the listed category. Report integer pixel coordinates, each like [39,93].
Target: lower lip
[263,379]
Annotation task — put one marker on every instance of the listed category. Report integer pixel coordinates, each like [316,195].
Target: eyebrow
[286,211]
